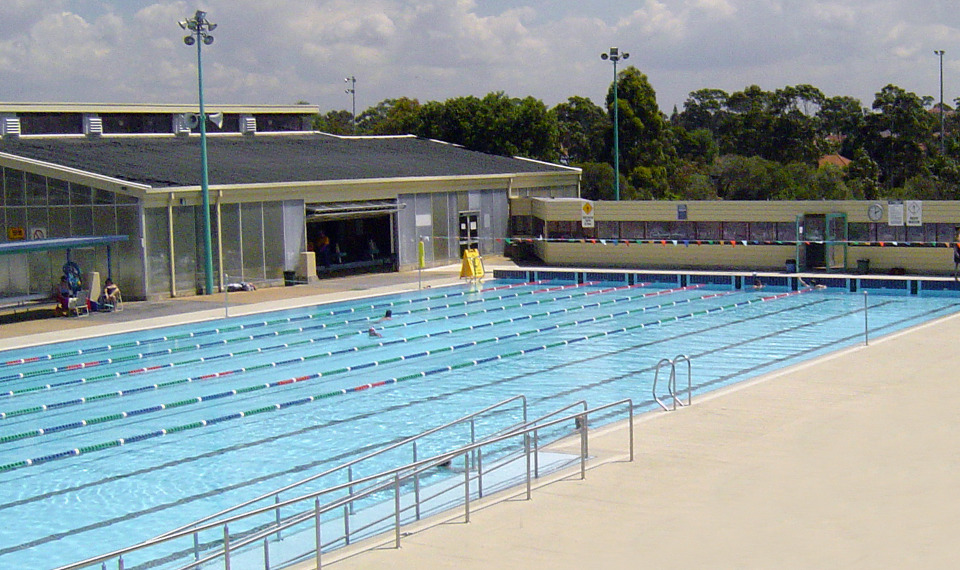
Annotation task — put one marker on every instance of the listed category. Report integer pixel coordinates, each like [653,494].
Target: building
[893,236]
[131,173]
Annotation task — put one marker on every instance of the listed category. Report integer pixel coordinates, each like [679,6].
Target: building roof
[172,161]
[834,159]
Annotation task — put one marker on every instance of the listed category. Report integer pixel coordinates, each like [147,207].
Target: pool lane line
[150,387]
[344,391]
[181,381]
[234,392]
[248,338]
[391,408]
[92,364]
[299,468]
[194,334]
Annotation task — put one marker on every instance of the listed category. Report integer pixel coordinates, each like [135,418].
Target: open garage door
[352,237]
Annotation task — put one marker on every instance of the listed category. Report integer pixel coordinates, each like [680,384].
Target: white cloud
[287,50]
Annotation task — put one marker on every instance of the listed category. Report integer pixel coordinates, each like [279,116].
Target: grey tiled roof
[175,161]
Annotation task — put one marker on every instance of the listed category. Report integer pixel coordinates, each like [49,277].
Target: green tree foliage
[334,122]
[582,127]
[646,140]
[391,117]
[897,134]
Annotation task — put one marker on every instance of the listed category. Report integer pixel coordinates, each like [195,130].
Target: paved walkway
[850,461]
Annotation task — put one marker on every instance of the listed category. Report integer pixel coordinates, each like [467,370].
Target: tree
[391,117]
[334,122]
[646,148]
[582,126]
[897,135]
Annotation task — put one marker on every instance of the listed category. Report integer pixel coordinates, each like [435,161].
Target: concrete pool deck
[848,461]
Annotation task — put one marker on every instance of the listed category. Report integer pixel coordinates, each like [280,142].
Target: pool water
[110,441]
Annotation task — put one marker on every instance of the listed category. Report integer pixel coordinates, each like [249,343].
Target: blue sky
[284,51]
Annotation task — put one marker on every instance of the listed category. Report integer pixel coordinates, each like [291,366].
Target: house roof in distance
[172,161]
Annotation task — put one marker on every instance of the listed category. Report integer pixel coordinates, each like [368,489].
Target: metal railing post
[316,523]
[466,487]
[196,546]
[350,488]
[526,451]
[396,508]
[631,430]
[226,547]
[473,436]
[416,484]
[266,554]
[276,500]
[346,525]
[866,327]
[120,563]
[583,447]
[479,472]
[536,453]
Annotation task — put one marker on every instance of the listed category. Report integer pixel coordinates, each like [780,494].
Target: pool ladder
[672,381]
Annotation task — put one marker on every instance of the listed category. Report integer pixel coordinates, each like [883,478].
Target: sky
[287,51]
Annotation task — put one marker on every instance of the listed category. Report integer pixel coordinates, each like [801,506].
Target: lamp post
[353,95]
[940,53]
[615,56]
[200,29]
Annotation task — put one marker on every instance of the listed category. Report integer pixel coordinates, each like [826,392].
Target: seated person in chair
[111,293]
[62,294]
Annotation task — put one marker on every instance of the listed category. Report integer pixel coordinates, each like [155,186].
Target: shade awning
[52,244]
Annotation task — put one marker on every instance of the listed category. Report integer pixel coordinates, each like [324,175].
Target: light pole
[200,29]
[615,56]
[353,95]
[940,53]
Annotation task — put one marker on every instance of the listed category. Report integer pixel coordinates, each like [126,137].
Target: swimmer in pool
[373,333]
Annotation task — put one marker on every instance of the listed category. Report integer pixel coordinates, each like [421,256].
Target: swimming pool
[106,442]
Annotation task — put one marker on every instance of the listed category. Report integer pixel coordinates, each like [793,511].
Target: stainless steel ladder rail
[672,382]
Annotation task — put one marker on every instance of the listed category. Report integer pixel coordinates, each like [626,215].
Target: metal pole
[526,451]
[346,525]
[266,554]
[226,298]
[583,448]
[616,136]
[226,547]
[866,327]
[396,508]
[204,182]
[940,53]
[416,484]
[316,523]
[466,487]
[276,501]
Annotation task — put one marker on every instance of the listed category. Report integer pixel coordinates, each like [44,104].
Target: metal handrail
[399,474]
[351,463]
[656,376]
[673,379]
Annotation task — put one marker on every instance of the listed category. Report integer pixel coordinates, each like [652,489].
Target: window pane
[80,195]
[13,187]
[103,197]
[251,216]
[36,190]
[59,194]
[608,230]
[633,230]
[708,230]
[763,231]
[273,244]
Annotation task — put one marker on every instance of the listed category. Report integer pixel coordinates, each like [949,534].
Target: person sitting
[62,294]
[111,293]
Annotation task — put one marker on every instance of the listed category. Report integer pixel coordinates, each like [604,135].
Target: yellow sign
[15,233]
[586,214]
[472,267]
[421,258]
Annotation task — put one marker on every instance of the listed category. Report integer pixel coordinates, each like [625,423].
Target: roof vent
[10,126]
[248,124]
[92,125]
